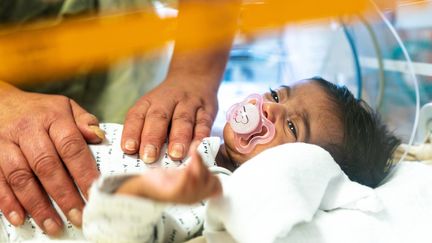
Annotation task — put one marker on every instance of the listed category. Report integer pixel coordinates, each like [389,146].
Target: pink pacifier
[249,124]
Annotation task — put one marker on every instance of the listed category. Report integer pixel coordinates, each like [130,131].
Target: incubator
[370,53]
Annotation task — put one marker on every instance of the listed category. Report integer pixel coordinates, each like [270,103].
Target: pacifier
[249,124]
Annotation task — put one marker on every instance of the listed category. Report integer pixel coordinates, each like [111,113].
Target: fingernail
[131,145]
[177,150]
[149,153]
[51,227]
[15,219]
[75,216]
[99,132]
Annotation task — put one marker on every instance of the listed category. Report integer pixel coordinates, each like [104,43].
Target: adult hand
[185,110]
[186,185]
[43,151]
[185,104]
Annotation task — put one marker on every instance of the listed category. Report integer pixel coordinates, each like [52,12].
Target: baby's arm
[185,185]
[127,208]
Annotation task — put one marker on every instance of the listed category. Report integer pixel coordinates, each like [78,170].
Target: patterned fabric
[118,218]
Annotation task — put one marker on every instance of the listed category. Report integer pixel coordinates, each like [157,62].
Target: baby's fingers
[196,165]
[203,183]
[198,188]
[213,187]
[188,185]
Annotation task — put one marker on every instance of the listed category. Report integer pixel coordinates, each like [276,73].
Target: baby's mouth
[245,142]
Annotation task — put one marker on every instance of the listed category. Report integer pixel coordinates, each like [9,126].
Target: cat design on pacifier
[250,125]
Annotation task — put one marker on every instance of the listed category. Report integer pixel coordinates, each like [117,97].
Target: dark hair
[368,145]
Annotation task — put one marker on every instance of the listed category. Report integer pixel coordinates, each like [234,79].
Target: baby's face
[300,113]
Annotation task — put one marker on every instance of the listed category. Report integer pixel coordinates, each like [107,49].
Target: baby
[312,111]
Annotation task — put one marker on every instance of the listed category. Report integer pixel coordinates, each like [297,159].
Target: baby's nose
[270,112]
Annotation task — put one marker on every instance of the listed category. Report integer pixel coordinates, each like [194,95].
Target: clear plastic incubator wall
[384,57]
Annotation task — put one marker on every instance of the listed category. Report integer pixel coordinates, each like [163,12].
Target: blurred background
[360,52]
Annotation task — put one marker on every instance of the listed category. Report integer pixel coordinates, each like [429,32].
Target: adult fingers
[203,124]
[43,160]
[9,204]
[155,130]
[74,152]
[181,131]
[87,123]
[28,191]
[134,123]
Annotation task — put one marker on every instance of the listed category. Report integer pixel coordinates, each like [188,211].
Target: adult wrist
[7,89]
[205,83]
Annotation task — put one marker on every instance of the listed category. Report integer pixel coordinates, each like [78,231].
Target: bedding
[400,210]
[282,195]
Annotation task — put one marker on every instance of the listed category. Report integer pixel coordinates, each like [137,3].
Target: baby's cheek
[242,158]
[283,138]
[273,143]
[228,134]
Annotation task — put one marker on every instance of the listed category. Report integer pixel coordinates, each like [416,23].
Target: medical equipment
[249,123]
[424,131]
[364,52]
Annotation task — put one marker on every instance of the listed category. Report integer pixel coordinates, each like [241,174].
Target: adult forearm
[210,25]
[206,66]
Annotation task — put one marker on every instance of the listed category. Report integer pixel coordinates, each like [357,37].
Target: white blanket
[297,193]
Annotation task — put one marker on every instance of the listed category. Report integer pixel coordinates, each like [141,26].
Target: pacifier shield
[245,119]
[249,124]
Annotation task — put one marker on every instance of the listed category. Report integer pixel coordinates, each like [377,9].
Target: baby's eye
[274,95]
[292,128]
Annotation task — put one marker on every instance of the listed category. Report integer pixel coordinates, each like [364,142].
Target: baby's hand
[187,185]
